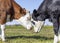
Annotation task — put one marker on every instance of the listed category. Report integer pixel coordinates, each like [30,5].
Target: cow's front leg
[59,29]
[59,33]
[2,32]
[56,29]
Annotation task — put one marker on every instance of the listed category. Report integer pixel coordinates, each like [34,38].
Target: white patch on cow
[55,39]
[38,25]
[2,32]
[25,21]
[59,37]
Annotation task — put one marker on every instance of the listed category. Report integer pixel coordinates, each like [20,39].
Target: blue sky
[30,5]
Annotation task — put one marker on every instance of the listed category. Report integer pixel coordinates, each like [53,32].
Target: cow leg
[59,33]
[59,30]
[56,28]
[2,32]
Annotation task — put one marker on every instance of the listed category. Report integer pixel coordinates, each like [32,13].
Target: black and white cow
[49,9]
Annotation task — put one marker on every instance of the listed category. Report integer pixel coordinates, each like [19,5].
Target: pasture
[18,34]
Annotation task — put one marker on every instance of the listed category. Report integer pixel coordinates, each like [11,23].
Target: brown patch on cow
[18,11]
[5,5]
[11,8]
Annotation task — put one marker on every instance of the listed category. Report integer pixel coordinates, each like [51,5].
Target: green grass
[18,34]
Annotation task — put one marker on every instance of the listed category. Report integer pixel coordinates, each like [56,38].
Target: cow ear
[34,11]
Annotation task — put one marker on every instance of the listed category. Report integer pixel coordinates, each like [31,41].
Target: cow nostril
[33,22]
[28,18]
[31,28]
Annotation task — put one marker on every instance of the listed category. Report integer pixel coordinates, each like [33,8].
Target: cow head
[25,19]
[37,21]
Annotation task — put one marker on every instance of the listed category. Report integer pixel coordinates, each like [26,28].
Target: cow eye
[33,22]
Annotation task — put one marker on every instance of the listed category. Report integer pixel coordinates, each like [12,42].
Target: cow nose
[31,28]
[33,22]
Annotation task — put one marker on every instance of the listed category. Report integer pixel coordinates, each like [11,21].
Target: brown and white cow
[11,10]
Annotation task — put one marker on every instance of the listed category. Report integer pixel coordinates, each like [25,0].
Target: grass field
[18,34]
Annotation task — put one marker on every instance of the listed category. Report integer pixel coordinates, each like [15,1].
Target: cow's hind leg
[3,18]
[2,32]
